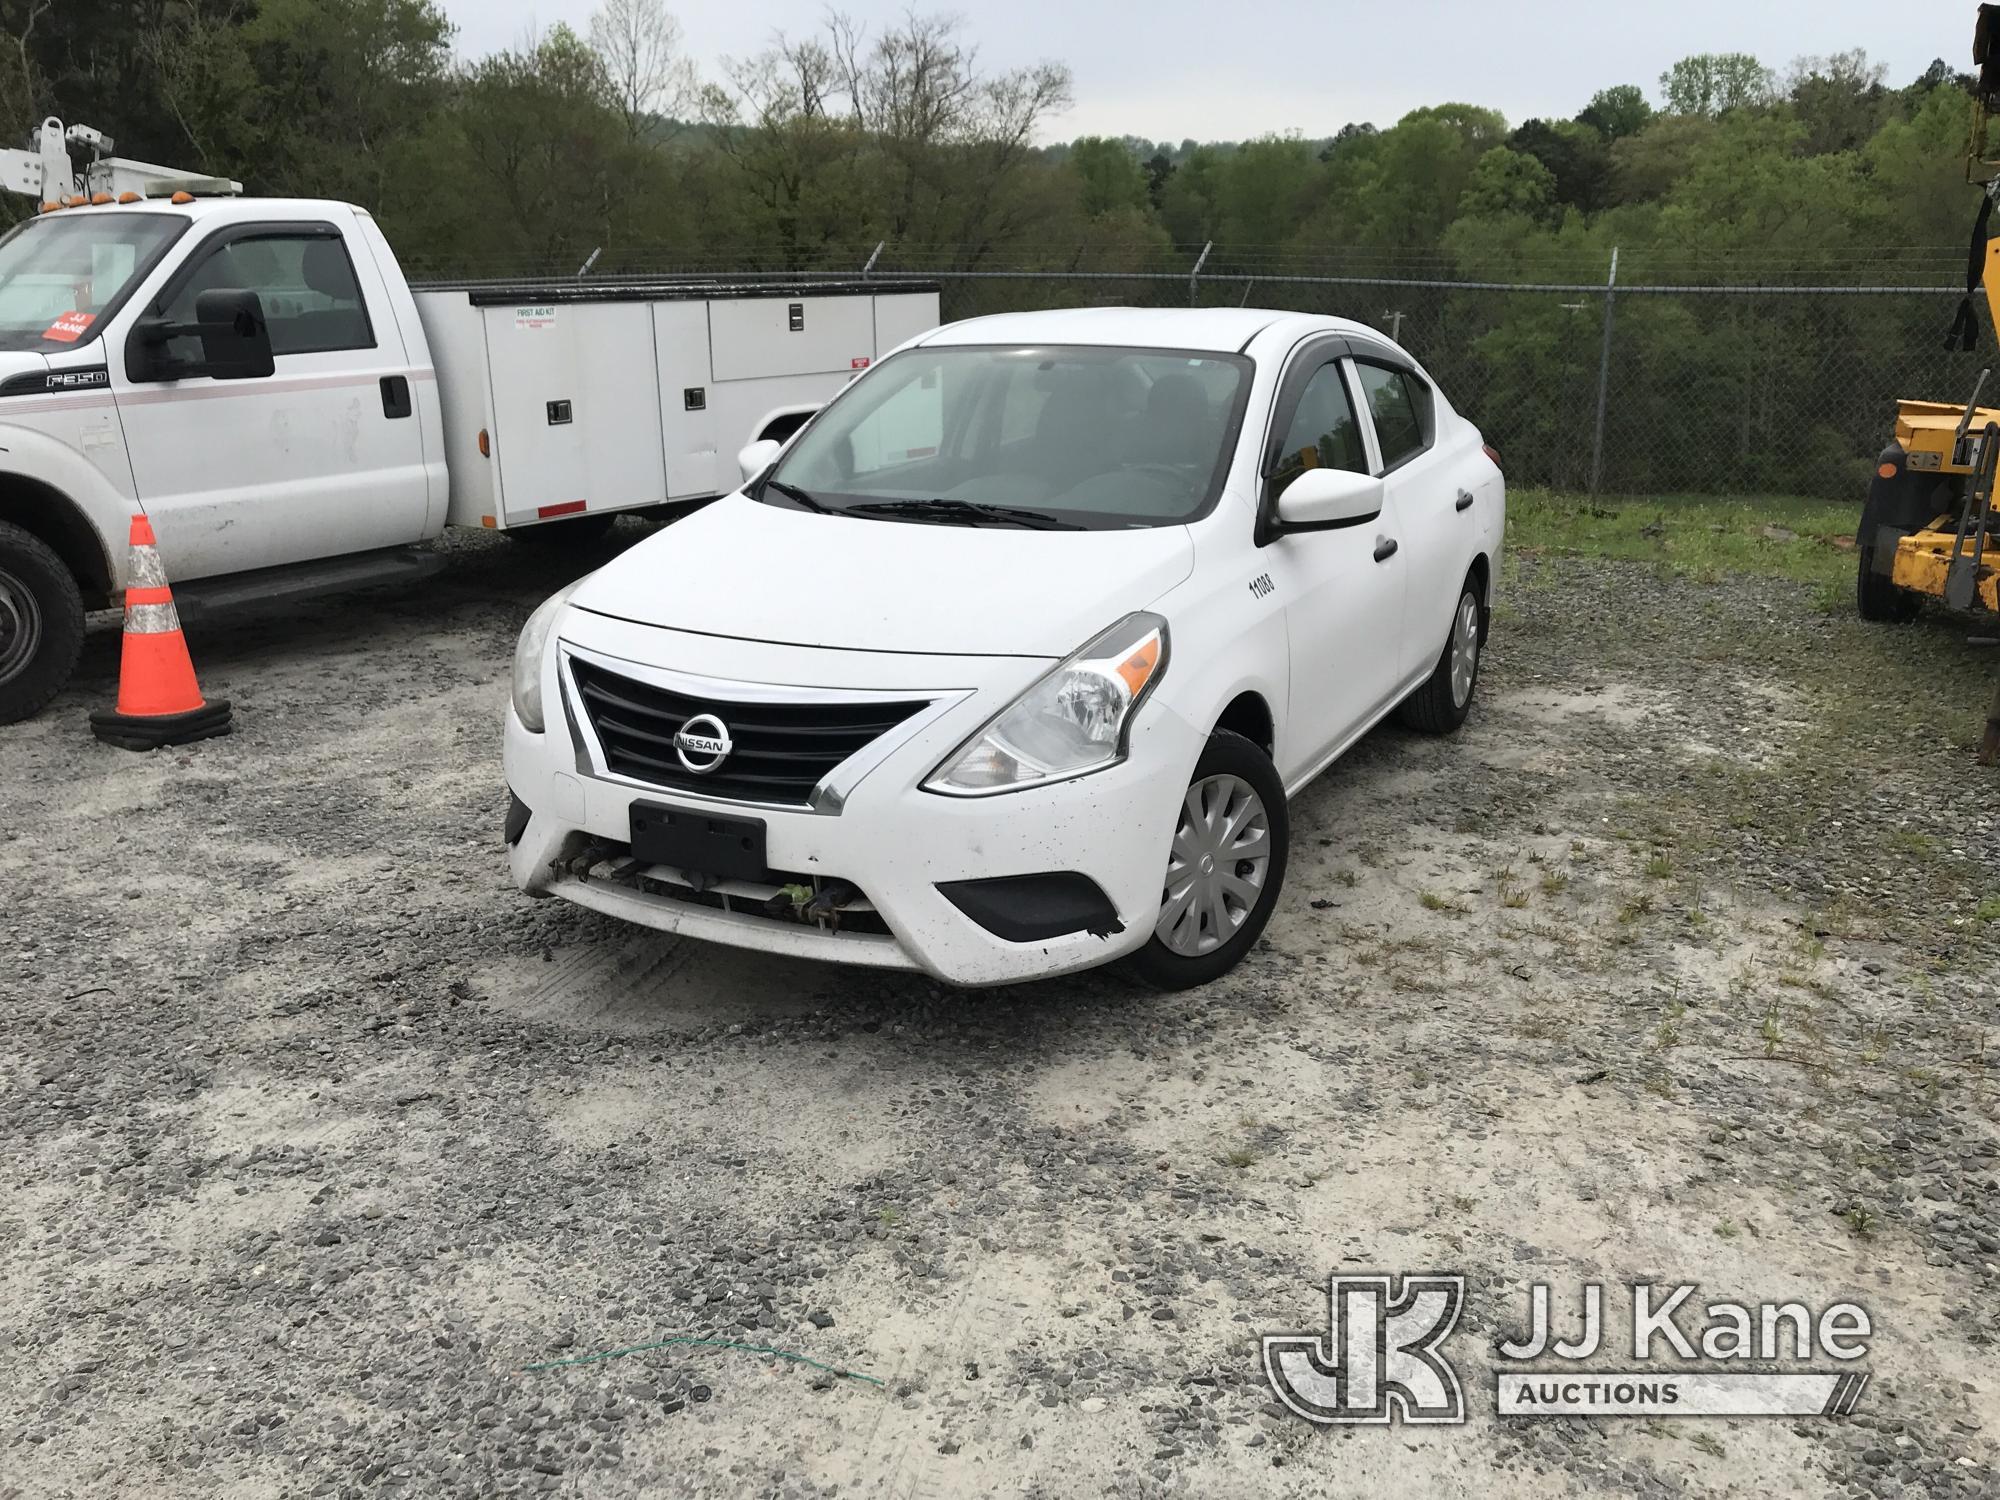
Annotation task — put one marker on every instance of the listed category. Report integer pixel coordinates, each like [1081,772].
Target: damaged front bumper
[975,891]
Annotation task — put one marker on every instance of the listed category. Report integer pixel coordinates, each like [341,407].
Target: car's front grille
[778,751]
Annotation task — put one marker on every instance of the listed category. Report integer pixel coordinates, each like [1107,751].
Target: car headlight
[1073,721]
[528,657]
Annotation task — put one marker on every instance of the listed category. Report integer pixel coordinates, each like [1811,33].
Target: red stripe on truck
[567,508]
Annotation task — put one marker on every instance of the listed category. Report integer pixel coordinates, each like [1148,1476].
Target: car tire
[41,624]
[1441,704]
[1233,778]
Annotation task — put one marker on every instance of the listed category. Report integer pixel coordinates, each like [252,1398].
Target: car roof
[1222,329]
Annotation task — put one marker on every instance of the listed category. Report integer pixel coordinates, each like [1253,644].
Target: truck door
[321,458]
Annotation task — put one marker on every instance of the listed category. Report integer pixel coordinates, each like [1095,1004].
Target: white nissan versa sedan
[1006,665]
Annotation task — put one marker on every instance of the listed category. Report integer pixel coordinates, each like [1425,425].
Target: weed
[1773,1036]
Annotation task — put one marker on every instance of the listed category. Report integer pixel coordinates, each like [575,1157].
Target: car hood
[761,572]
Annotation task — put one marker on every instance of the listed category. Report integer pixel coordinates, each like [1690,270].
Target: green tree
[1713,83]
[1617,113]
[1577,157]
[1109,173]
[1505,181]
[1839,99]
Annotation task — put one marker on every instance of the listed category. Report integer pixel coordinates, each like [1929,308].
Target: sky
[1166,70]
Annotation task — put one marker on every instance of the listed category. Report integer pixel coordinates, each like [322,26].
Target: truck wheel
[1225,869]
[41,624]
[574,534]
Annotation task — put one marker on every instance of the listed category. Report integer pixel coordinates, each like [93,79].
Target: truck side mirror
[235,340]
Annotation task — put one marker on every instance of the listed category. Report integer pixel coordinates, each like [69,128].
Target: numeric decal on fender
[1262,587]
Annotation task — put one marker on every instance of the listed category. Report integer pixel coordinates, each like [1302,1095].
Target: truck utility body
[259,379]
[601,397]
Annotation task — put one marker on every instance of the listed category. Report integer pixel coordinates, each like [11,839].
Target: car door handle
[1385,548]
[396,396]
[1465,499]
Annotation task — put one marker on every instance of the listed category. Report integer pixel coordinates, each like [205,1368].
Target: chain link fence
[1713,381]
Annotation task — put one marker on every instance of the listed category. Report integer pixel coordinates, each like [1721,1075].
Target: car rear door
[321,458]
[1431,508]
[1342,589]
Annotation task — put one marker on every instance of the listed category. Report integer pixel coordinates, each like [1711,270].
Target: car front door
[320,458]
[1342,589]
[1435,531]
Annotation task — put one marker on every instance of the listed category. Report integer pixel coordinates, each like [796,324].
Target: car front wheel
[1224,869]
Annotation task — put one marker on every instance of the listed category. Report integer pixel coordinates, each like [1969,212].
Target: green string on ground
[797,1359]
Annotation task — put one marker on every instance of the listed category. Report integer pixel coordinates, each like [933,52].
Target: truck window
[60,275]
[306,283]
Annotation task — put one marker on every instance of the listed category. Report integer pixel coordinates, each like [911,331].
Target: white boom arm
[47,175]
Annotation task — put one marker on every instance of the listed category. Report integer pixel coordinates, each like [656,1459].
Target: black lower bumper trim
[1034,908]
[517,818]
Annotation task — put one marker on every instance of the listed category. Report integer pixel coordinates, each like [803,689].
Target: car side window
[1401,406]
[312,302]
[1323,432]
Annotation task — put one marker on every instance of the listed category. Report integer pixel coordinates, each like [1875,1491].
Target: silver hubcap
[1221,856]
[1464,651]
[20,626]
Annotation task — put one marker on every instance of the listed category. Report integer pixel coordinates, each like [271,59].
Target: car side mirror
[758,457]
[235,340]
[1324,499]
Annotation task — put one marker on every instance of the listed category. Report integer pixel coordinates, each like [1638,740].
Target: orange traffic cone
[159,702]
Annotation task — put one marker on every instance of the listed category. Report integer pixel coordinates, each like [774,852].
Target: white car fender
[1220,628]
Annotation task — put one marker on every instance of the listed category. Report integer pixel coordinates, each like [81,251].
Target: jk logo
[1380,1357]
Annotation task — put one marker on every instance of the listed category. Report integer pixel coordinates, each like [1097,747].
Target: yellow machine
[1931,526]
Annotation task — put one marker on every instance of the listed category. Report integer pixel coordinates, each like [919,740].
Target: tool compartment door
[756,337]
[576,410]
[696,464]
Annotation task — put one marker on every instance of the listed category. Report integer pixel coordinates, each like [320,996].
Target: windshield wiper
[794,493]
[964,512]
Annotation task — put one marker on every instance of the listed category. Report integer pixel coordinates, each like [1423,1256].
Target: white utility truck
[257,377]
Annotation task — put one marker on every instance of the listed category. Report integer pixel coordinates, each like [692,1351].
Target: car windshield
[1084,437]
[59,274]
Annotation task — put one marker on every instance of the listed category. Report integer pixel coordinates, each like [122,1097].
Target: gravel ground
[315,1134]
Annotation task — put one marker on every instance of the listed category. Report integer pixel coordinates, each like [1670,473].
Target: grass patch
[1705,537]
